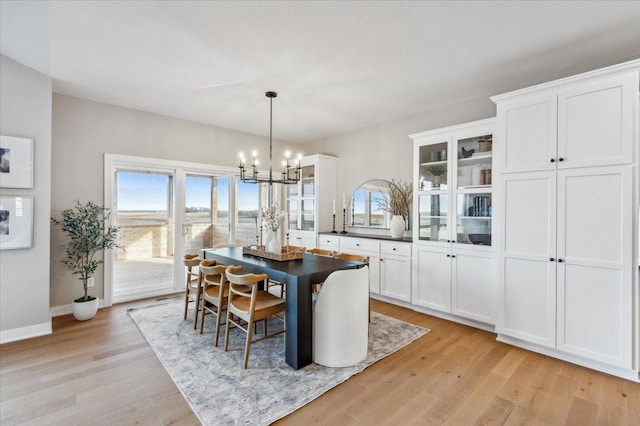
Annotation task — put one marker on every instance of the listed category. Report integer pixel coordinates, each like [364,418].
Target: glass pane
[308,181]
[474,219]
[376,214]
[198,199]
[357,208]
[292,190]
[307,215]
[144,214]
[292,209]
[433,166]
[433,211]
[474,162]
[221,211]
[248,201]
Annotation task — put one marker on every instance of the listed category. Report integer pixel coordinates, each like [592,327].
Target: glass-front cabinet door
[301,201]
[454,185]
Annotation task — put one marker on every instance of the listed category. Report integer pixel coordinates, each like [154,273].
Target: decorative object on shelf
[16,162]
[271,218]
[437,172]
[16,222]
[476,174]
[286,253]
[484,143]
[87,233]
[434,156]
[466,153]
[287,169]
[443,155]
[397,202]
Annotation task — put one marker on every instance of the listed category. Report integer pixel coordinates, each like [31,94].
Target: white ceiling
[338,66]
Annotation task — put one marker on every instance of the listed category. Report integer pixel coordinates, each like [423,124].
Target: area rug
[220,392]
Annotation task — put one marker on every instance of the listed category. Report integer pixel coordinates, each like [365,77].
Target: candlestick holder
[344,221]
[333,231]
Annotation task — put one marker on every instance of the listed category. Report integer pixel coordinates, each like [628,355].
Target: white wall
[25,110]
[385,151]
[83,131]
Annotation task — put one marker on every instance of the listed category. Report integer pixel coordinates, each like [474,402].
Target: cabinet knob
[453,241]
[560,159]
[453,255]
[357,244]
[448,255]
[381,259]
[394,249]
[553,160]
[560,260]
[551,259]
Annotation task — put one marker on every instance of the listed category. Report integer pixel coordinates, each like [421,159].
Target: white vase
[268,236]
[274,244]
[396,226]
[83,311]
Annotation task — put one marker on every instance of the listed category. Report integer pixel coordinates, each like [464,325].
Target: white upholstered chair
[341,319]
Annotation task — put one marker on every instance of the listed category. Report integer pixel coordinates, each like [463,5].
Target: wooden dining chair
[215,293]
[321,252]
[248,305]
[192,290]
[352,257]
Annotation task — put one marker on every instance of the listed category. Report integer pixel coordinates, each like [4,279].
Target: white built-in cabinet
[309,202]
[454,257]
[567,280]
[389,262]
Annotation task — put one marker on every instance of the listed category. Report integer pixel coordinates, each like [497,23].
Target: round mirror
[365,206]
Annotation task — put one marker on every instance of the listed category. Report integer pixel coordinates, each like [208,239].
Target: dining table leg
[298,320]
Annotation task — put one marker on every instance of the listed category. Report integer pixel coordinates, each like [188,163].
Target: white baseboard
[57,311]
[628,374]
[28,332]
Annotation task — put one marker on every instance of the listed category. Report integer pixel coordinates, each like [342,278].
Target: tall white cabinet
[453,256]
[310,201]
[567,178]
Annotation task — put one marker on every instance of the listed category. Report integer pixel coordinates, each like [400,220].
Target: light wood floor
[103,372]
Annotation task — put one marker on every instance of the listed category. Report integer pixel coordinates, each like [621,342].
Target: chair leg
[247,345]
[226,331]
[197,309]
[203,315]
[186,303]
[218,313]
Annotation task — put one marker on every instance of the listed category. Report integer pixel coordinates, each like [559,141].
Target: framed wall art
[16,222]
[16,162]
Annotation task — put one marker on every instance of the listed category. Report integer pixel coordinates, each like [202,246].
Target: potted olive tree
[87,232]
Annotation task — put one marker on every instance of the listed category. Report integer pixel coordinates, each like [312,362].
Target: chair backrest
[341,318]
[354,257]
[191,260]
[213,276]
[222,245]
[243,285]
[321,252]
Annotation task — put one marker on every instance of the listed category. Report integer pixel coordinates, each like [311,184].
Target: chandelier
[290,173]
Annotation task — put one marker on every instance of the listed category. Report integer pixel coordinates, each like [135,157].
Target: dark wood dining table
[298,276]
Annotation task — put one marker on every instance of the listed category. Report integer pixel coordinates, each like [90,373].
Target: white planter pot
[83,311]
[396,226]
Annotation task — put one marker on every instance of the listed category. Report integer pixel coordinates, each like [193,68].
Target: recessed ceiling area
[337,66]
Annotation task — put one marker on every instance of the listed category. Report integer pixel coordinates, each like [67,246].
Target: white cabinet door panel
[529,217]
[529,300]
[529,129]
[395,277]
[595,286]
[595,122]
[432,287]
[472,286]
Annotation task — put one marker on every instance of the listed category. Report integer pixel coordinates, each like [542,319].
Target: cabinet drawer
[332,241]
[400,249]
[347,244]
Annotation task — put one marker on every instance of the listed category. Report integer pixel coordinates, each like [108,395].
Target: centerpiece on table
[271,218]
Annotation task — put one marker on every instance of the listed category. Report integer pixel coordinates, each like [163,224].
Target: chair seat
[264,300]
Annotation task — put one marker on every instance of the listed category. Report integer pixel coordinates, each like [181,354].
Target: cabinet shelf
[434,163]
[489,186]
[475,217]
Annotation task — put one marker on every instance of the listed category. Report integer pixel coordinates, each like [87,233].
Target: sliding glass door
[144,212]
[167,209]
